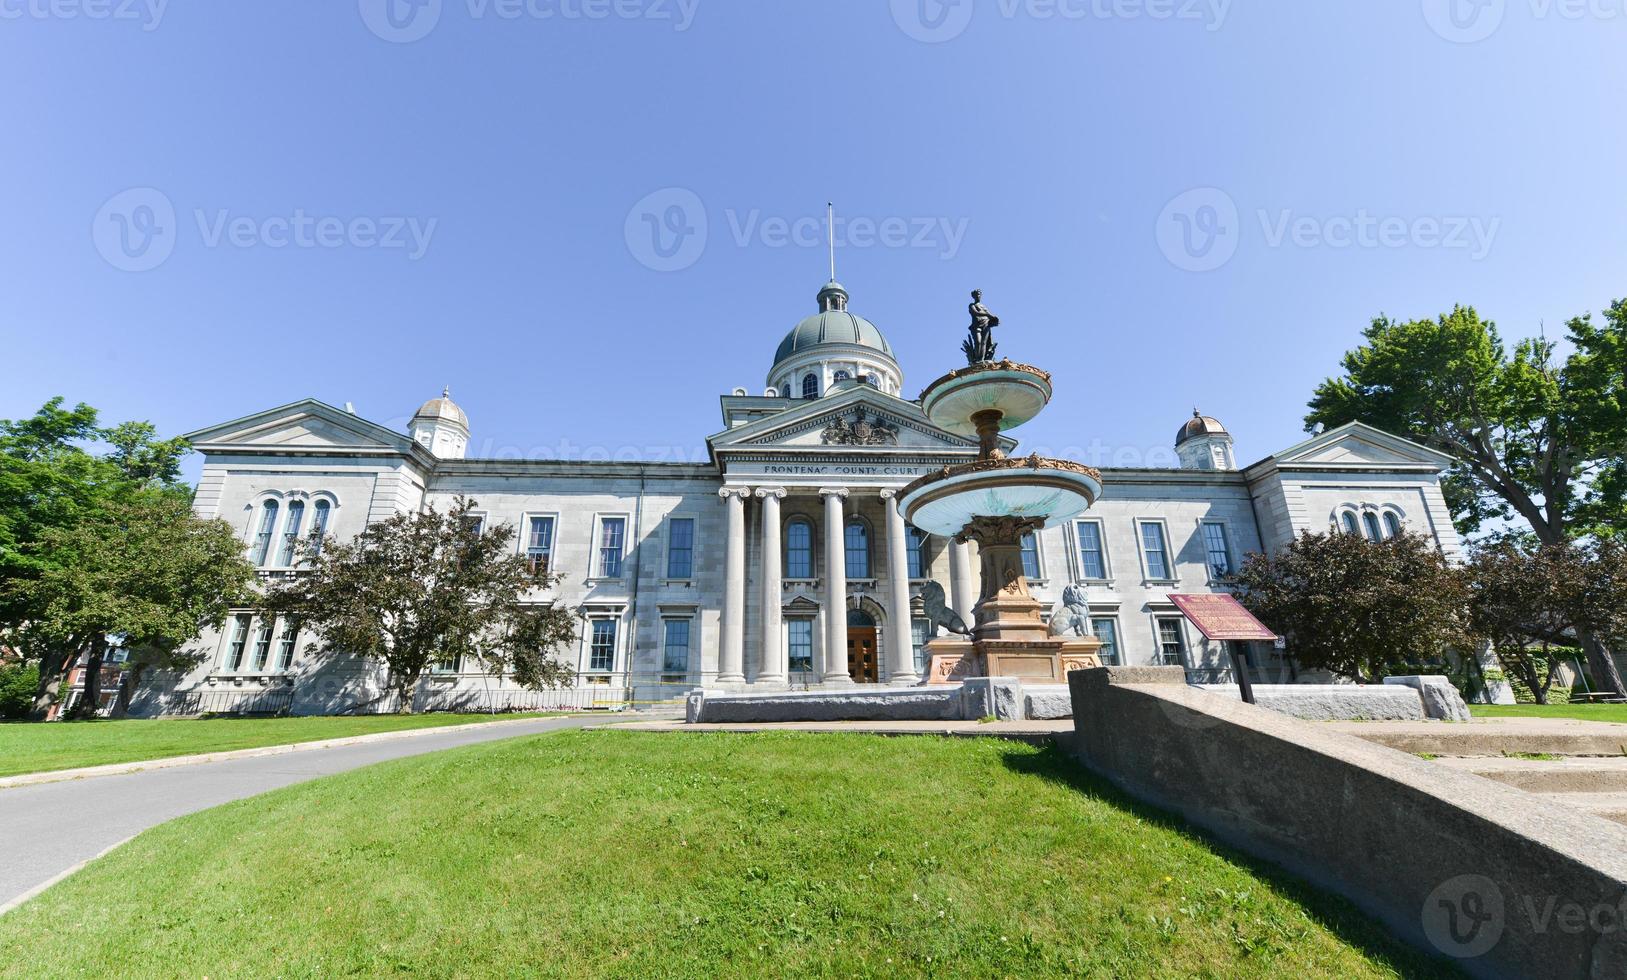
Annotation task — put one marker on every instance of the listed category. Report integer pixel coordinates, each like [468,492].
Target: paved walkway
[56,827]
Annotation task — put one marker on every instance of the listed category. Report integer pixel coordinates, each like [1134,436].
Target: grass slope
[40,747]
[1585,712]
[693,855]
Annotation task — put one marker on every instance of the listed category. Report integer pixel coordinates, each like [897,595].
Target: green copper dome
[833,324]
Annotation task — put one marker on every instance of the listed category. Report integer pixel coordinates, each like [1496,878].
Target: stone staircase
[1596,785]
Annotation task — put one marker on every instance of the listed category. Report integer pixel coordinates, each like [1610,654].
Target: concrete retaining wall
[1333,702]
[1505,883]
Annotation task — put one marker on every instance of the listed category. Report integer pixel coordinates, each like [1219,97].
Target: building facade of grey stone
[782,561]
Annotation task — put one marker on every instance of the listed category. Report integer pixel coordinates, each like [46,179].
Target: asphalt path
[55,827]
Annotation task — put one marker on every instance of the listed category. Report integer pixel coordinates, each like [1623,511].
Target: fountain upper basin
[1050,489]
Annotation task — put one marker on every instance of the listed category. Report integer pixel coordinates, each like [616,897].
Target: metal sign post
[1220,617]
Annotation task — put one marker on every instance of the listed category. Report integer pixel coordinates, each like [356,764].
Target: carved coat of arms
[861,431]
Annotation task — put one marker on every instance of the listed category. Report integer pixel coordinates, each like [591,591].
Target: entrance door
[861,648]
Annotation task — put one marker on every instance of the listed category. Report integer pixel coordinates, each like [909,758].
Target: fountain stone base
[953,659]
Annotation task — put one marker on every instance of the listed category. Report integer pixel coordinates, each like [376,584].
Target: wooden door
[861,655]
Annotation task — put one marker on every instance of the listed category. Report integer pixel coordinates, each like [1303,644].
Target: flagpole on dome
[830,235]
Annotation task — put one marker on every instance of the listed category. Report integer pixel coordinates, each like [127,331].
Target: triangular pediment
[860,420]
[307,425]
[1358,445]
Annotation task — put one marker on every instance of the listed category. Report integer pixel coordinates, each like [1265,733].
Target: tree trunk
[407,691]
[53,666]
[1605,675]
[92,698]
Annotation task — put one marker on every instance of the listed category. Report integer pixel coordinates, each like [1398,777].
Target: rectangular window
[800,632]
[920,633]
[1106,629]
[477,522]
[799,550]
[914,542]
[602,646]
[857,540]
[448,665]
[1217,549]
[234,650]
[539,544]
[1171,642]
[1030,556]
[675,646]
[288,644]
[1154,550]
[612,531]
[1092,562]
[681,548]
[290,531]
[262,646]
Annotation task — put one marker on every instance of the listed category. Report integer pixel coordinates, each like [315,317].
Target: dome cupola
[441,427]
[1204,444]
[833,346]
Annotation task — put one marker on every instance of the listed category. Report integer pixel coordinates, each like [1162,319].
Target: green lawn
[39,747]
[1586,712]
[693,855]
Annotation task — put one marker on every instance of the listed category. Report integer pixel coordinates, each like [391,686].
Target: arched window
[319,525]
[857,538]
[290,531]
[841,376]
[1369,520]
[810,385]
[262,537]
[799,562]
[1392,523]
[1348,518]
[870,380]
[915,549]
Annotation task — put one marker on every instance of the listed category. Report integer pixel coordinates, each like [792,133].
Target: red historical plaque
[1219,616]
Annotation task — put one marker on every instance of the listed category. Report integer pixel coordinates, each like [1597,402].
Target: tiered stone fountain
[994,501]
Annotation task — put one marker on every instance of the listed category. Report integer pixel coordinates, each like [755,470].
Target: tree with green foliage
[427,587]
[1518,597]
[1361,609]
[145,573]
[1533,437]
[53,480]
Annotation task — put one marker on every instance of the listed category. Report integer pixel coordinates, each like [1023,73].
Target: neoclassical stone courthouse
[783,561]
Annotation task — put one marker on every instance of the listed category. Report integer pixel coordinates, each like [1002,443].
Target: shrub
[17,686]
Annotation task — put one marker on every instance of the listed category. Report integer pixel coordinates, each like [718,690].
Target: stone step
[1603,774]
[1610,806]
[1495,737]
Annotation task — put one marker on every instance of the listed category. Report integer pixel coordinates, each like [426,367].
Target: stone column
[772,667]
[900,648]
[731,645]
[835,586]
[962,597]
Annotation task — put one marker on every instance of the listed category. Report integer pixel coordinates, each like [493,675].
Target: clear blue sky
[1081,155]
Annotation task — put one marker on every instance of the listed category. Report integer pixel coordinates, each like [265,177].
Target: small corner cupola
[1204,444]
[441,427]
[832,298]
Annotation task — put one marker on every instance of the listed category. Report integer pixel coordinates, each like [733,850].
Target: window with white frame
[681,548]
[287,645]
[612,535]
[1030,553]
[810,386]
[262,645]
[1106,629]
[447,665]
[539,543]
[1369,521]
[857,538]
[1348,521]
[1171,641]
[290,531]
[920,633]
[915,551]
[1392,523]
[232,659]
[1155,551]
[476,522]
[799,646]
[602,646]
[1092,557]
[799,556]
[675,646]
[320,512]
[262,537]
[1217,550]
